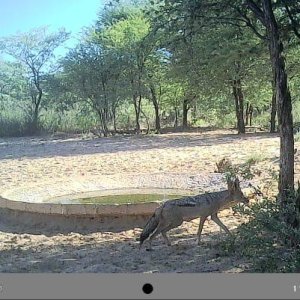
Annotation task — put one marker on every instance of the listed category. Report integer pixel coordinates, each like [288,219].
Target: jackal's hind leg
[166,238]
[161,226]
[201,223]
[164,226]
[216,219]
[173,224]
[150,246]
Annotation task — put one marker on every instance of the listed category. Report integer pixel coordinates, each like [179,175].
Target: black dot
[147,288]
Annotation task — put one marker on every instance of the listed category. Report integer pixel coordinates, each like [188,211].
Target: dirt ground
[33,160]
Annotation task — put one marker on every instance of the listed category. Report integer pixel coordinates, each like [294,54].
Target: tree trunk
[156,108]
[147,121]
[137,109]
[114,119]
[102,120]
[105,128]
[284,106]
[185,110]
[247,114]
[194,113]
[136,98]
[273,110]
[250,114]
[36,99]
[176,117]
[105,110]
[35,120]
[239,105]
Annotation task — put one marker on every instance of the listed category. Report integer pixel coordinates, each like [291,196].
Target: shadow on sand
[38,147]
[94,253]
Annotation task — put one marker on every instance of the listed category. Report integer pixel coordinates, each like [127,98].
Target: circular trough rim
[142,208]
[23,198]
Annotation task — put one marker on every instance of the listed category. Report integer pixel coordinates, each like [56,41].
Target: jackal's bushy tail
[150,226]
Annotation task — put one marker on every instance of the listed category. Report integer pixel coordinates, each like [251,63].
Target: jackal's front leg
[201,223]
[216,219]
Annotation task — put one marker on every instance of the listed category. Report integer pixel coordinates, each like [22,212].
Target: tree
[35,51]
[91,72]
[265,13]
[196,55]
[270,21]
[127,35]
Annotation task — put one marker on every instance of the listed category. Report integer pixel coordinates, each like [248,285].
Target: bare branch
[293,21]
[256,10]
[248,23]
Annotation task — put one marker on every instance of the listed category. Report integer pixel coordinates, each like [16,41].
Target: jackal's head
[236,192]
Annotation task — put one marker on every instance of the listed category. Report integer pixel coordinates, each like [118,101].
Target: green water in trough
[116,199]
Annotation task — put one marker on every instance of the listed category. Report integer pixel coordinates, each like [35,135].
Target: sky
[23,15]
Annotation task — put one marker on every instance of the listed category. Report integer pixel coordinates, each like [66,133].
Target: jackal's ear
[230,184]
[236,183]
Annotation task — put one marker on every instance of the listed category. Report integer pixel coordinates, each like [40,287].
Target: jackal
[172,213]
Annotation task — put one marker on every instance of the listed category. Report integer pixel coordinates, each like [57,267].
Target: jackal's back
[202,200]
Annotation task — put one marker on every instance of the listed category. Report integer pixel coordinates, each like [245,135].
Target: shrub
[267,239]
[271,237]
[14,124]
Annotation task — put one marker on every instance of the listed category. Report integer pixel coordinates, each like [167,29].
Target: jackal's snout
[245,200]
[238,196]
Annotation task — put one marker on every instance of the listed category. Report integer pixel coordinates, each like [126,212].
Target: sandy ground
[32,160]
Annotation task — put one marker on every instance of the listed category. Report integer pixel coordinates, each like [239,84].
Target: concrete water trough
[43,206]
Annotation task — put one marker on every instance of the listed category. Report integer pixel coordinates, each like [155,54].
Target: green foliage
[126,33]
[263,120]
[13,123]
[255,158]
[244,170]
[70,121]
[158,52]
[297,137]
[266,240]
[296,112]
[215,117]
